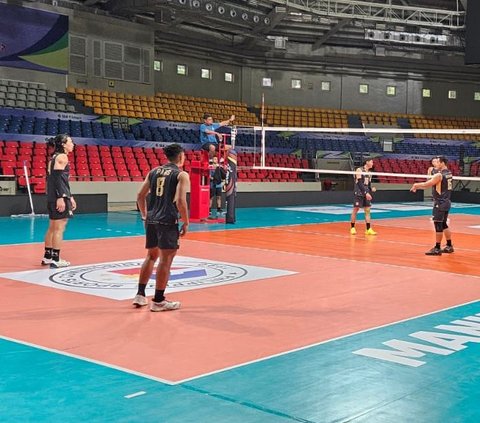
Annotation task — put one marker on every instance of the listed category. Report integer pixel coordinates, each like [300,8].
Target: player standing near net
[441,182]
[167,186]
[363,196]
[209,138]
[60,202]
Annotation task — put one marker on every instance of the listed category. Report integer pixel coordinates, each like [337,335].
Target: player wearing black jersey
[441,182]
[167,186]
[363,196]
[60,202]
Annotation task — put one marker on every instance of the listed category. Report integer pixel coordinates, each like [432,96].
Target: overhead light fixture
[256,18]
[233,13]
[195,4]
[209,7]
[182,2]
[245,16]
[266,21]
[221,10]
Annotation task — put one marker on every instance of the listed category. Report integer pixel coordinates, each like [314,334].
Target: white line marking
[89,360]
[323,342]
[397,266]
[136,394]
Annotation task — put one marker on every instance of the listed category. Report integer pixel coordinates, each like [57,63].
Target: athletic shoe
[46,262]
[448,249]
[165,305]
[140,301]
[370,232]
[60,263]
[353,231]
[434,252]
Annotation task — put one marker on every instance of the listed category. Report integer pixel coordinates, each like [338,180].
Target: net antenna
[359,131]
[32,213]
[263,144]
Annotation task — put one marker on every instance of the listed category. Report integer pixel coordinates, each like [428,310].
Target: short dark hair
[172,151]
[441,159]
[206,116]
[367,159]
[58,142]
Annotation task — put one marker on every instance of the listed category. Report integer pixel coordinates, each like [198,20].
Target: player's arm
[430,183]
[181,200]
[142,197]
[228,122]
[365,189]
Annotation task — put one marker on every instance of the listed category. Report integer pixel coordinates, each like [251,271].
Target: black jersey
[163,187]
[57,181]
[366,180]
[443,189]
[432,173]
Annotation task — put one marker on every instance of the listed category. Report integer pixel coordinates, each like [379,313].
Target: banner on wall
[33,39]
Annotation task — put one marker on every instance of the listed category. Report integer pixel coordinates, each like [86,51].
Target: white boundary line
[326,341]
[88,360]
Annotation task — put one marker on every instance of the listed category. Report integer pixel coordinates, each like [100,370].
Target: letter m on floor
[402,352]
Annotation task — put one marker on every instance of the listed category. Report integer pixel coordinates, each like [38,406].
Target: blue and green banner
[33,39]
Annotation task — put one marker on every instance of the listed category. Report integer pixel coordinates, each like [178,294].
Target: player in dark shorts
[167,186]
[363,196]
[60,202]
[441,182]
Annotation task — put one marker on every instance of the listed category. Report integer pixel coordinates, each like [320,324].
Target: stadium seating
[115,163]
[162,106]
[31,95]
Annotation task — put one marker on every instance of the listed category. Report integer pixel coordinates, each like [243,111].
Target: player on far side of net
[167,186]
[441,182]
[363,196]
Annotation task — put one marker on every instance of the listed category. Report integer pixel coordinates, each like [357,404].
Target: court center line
[397,266]
[135,394]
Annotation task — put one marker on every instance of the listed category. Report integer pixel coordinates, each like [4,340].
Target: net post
[27,179]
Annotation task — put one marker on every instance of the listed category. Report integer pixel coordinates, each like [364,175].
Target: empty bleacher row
[415,167]
[115,163]
[29,125]
[162,106]
[31,95]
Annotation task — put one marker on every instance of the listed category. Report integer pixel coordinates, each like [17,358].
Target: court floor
[285,317]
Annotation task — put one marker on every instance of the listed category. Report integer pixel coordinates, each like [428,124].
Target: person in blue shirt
[209,138]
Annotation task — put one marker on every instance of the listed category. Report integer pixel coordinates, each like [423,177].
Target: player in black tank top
[363,191]
[441,183]
[60,202]
[167,186]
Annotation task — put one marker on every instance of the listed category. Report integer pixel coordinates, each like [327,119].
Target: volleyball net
[400,155]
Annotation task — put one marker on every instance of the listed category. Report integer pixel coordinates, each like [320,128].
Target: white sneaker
[46,262]
[60,263]
[165,305]
[140,301]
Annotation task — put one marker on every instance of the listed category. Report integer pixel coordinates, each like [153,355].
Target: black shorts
[361,202]
[440,214]
[165,237]
[207,145]
[215,192]
[54,214]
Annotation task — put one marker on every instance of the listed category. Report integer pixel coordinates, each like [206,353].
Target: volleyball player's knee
[439,226]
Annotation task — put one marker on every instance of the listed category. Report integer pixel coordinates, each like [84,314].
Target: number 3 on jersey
[160,186]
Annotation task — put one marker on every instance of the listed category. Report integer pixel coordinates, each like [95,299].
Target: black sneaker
[434,252]
[448,249]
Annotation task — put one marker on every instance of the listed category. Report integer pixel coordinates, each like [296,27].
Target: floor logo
[118,280]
